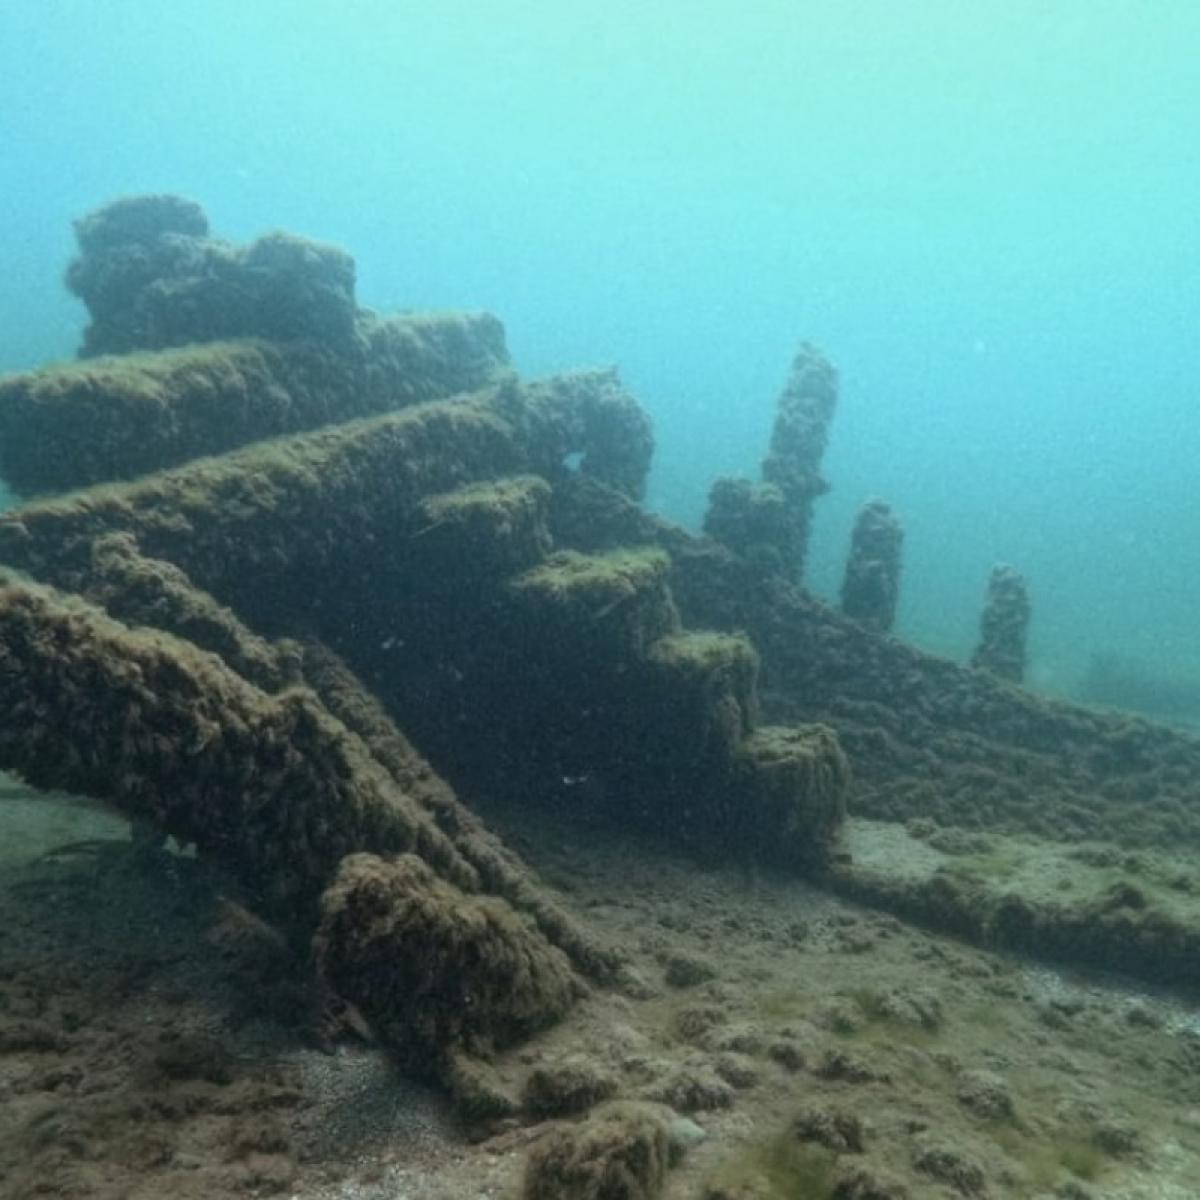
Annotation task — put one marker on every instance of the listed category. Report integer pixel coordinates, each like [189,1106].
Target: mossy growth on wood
[120,416]
[258,527]
[616,603]
[272,785]
[292,802]
[705,660]
[871,584]
[459,972]
[152,277]
[492,529]
[701,685]
[500,871]
[143,591]
[588,413]
[1004,625]
[753,520]
[790,786]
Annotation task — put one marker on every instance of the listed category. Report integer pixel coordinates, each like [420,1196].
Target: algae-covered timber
[498,868]
[272,784]
[296,508]
[121,416]
[789,794]
[590,414]
[622,1152]
[152,592]
[931,738]
[463,972]
[1003,625]
[290,800]
[616,604]
[928,737]
[770,522]
[254,525]
[871,583]
[482,530]
[152,277]
[275,531]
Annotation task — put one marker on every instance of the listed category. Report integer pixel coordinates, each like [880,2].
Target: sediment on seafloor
[1084,903]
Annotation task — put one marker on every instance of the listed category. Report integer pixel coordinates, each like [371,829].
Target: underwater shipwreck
[313,592]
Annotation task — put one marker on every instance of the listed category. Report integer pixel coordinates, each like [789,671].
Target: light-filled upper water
[984,214]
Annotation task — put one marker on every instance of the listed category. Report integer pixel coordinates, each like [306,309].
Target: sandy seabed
[151,1045]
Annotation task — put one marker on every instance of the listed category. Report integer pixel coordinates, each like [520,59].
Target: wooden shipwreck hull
[292,599]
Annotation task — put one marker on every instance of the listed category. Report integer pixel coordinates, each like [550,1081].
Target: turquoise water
[985,213]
